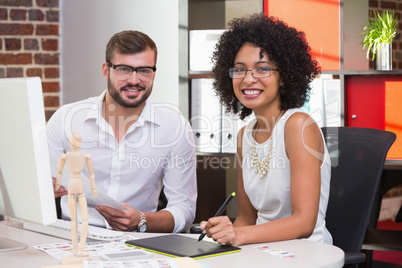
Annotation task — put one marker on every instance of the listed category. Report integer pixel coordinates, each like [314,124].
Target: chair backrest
[357,159]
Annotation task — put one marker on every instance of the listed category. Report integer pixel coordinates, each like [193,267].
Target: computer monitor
[26,187]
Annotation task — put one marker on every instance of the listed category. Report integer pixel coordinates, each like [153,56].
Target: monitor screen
[26,187]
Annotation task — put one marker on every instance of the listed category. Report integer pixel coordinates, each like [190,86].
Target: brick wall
[29,44]
[378,5]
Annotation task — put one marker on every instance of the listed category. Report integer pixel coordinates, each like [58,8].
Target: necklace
[261,166]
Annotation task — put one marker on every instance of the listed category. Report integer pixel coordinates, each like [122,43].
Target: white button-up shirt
[157,150]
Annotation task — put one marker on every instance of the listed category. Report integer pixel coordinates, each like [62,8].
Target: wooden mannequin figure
[75,163]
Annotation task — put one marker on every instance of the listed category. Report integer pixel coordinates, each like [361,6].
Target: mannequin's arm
[62,161]
[91,174]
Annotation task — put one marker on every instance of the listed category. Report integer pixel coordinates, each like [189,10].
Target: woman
[261,65]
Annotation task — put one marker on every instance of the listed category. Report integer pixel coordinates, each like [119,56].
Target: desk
[309,254]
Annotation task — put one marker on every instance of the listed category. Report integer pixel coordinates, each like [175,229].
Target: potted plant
[378,35]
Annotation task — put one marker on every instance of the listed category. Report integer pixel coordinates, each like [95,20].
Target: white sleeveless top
[270,195]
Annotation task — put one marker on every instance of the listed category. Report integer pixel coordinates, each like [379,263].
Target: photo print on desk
[276,252]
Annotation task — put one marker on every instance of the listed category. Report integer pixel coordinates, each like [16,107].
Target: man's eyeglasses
[124,72]
[257,72]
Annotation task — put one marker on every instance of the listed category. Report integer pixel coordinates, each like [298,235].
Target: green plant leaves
[381,28]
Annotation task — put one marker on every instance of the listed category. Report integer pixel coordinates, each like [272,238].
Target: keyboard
[62,229]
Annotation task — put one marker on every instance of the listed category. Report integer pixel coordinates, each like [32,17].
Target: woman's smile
[251,92]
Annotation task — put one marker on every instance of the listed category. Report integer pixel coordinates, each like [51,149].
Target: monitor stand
[10,245]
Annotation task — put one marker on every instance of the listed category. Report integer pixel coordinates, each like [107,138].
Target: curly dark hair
[285,46]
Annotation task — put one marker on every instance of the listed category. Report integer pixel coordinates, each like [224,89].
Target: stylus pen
[220,211]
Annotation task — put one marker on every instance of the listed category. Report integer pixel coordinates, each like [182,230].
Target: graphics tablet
[175,245]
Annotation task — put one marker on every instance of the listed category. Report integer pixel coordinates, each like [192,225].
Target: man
[137,146]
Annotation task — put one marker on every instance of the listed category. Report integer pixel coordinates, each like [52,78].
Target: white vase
[383,57]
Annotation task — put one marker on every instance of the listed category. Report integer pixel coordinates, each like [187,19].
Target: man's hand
[58,189]
[120,220]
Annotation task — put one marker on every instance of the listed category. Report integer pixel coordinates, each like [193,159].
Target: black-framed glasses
[257,72]
[124,72]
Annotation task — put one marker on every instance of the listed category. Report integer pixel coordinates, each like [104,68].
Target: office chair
[357,159]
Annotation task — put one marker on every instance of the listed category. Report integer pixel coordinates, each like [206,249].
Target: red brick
[50,44]
[16,3]
[13,44]
[18,14]
[51,101]
[3,14]
[397,55]
[15,72]
[44,59]
[52,72]
[50,87]
[23,58]
[373,3]
[47,29]
[31,44]
[16,29]
[52,15]
[36,14]
[49,113]
[47,3]
[388,5]
[34,72]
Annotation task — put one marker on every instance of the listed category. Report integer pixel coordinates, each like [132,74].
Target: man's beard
[115,94]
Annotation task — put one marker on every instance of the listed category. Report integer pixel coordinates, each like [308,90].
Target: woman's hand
[220,229]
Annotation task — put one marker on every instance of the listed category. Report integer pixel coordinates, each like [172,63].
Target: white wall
[87,25]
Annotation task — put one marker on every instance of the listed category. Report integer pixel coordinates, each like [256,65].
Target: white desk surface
[309,254]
